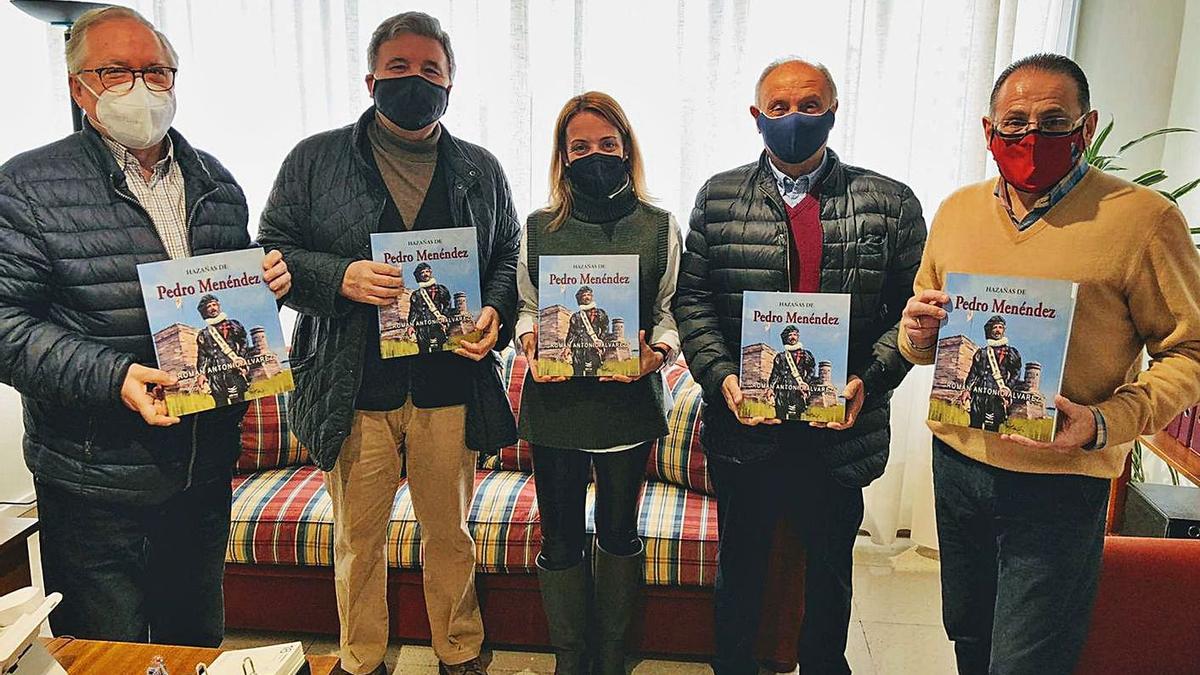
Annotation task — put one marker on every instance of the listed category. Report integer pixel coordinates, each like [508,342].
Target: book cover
[216,328]
[1001,352]
[588,319]
[440,302]
[794,355]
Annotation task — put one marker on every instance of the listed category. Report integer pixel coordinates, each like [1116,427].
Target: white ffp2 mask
[137,119]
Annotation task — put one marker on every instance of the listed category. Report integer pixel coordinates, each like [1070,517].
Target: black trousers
[561,477]
[1020,560]
[751,499]
[137,573]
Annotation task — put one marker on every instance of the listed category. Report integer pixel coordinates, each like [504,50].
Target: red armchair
[1147,615]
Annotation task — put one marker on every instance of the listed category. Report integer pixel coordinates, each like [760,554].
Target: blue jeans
[752,497]
[137,573]
[1020,559]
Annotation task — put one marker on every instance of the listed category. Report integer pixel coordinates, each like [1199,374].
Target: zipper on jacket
[91,434]
[192,459]
[787,242]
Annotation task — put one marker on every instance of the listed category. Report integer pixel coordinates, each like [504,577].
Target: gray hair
[783,61]
[77,45]
[410,23]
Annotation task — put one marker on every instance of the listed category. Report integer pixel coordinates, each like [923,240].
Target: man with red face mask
[1021,522]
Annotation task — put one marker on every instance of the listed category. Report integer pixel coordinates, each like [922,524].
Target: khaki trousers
[362,487]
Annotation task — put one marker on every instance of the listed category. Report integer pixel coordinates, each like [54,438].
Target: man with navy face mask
[396,169]
[798,219]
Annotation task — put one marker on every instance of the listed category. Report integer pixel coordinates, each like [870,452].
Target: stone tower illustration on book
[176,348]
[393,319]
[553,322]
[950,372]
[462,322]
[617,346]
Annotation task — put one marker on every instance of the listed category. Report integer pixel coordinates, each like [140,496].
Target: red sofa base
[675,621]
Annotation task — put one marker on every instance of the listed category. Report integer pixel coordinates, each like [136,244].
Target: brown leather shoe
[472,667]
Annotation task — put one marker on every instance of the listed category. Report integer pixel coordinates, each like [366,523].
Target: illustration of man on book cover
[430,311]
[993,379]
[793,375]
[587,335]
[222,353]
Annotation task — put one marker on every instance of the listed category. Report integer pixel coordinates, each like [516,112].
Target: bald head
[793,74]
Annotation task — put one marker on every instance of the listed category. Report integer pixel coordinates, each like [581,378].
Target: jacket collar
[833,182]
[463,172]
[195,172]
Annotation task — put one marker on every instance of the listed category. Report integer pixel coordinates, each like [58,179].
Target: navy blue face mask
[794,137]
[411,102]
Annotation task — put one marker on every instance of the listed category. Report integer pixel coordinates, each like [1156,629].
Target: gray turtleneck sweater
[406,166]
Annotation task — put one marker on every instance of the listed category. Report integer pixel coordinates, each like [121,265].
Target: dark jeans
[561,477]
[1020,559]
[137,574]
[751,499]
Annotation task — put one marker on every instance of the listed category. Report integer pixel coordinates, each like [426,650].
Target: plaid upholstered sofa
[280,577]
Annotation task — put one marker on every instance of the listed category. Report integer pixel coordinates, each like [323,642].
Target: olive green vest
[584,412]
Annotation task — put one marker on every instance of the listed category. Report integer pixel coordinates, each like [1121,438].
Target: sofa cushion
[516,457]
[678,459]
[284,517]
[267,442]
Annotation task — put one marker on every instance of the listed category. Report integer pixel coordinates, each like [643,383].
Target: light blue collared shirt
[793,189]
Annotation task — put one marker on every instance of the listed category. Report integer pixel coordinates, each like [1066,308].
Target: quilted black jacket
[873,237]
[72,319]
[326,202]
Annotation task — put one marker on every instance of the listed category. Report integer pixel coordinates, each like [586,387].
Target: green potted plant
[1095,158]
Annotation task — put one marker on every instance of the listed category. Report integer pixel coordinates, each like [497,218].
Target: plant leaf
[1184,189]
[1150,177]
[1168,195]
[1114,169]
[1094,151]
[1152,134]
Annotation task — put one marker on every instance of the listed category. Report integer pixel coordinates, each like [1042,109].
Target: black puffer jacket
[326,202]
[72,319]
[739,238]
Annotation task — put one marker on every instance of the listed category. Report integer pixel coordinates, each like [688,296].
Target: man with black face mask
[397,168]
[1021,522]
[798,219]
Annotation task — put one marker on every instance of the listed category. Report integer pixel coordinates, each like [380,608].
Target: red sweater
[804,219]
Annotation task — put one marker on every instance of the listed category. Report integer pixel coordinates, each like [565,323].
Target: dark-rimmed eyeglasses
[1052,126]
[120,80]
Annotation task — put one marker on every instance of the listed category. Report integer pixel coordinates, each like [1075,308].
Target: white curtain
[913,77]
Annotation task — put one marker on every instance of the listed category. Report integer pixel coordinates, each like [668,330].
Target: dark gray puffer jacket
[327,200]
[738,241]
[72,319]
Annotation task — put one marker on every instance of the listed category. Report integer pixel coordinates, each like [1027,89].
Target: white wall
[15,482]
[1181,159]
[1129,52]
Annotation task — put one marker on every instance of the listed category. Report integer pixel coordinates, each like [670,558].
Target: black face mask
[598,175]
[411,102]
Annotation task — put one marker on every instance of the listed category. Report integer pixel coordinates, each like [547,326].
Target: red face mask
[1035,161]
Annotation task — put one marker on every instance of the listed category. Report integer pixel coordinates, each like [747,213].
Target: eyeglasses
[1052,126]
[120,80]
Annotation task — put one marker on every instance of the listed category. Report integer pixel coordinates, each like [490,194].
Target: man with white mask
[133,503]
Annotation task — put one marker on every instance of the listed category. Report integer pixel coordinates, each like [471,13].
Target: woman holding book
[598,206]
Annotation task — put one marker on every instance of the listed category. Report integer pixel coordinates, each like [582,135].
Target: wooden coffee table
[92,657]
